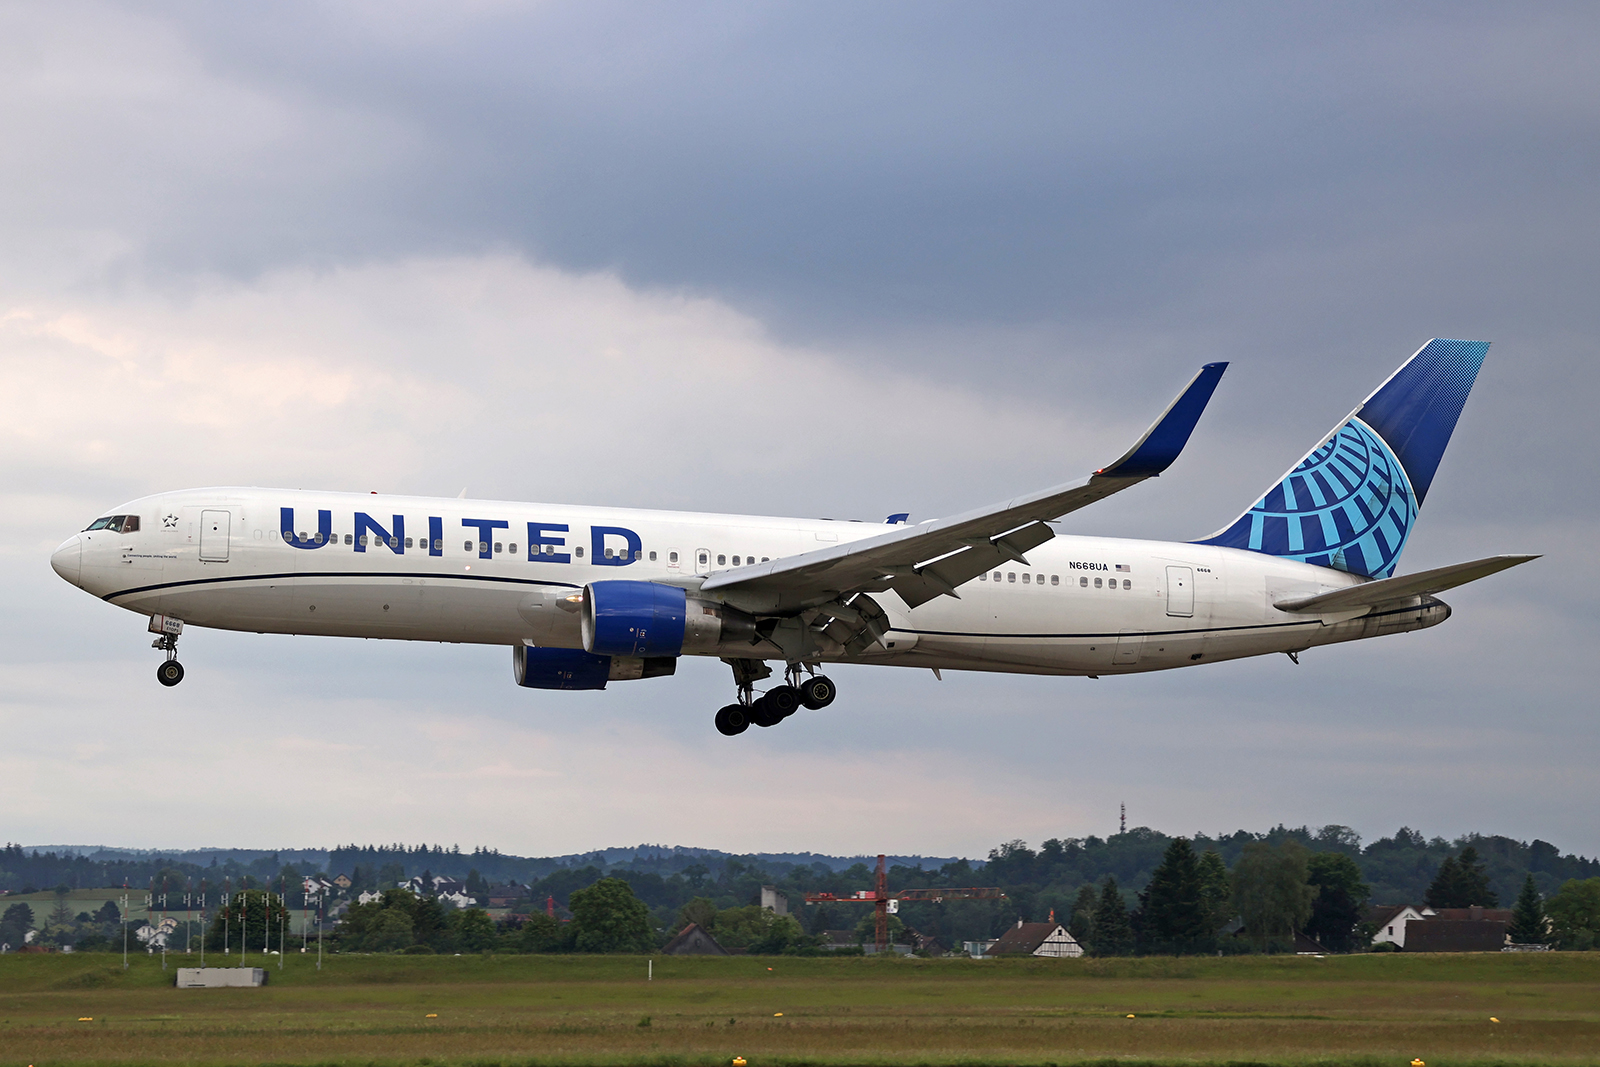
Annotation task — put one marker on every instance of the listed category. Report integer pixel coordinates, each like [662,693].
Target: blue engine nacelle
[622,618]
[573,668]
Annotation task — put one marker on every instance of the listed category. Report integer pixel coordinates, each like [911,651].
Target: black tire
[762,715]
[732,720]
[783,700]
[818,692]
[169,673]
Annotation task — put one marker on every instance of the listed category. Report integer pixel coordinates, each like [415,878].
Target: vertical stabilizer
[1352,501]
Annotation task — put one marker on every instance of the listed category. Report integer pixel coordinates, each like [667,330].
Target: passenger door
[1180,591]
[215,529]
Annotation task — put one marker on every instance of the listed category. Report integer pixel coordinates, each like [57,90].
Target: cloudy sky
[812,259]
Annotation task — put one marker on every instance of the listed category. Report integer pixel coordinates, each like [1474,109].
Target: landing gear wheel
[169,673]
[732,720]
[817,692]
[762,713]
[783,700]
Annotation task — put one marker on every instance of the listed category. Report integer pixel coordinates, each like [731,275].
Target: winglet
[1162,442]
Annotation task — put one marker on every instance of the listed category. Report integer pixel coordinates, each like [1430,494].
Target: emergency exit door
[1180,591]
[215,528]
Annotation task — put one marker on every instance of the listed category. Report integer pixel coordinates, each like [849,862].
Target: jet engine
[572,668]
[644,619]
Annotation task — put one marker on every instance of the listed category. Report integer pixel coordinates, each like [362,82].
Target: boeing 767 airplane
[587,595]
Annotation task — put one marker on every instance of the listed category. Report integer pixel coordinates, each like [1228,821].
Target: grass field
[482,1010]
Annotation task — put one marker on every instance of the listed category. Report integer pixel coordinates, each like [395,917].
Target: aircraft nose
[68,559]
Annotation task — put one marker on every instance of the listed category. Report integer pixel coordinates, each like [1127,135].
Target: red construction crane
[881,900]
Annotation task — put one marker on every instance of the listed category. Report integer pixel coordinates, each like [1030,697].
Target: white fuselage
[496,572]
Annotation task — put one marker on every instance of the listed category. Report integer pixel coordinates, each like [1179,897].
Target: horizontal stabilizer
[1371,594]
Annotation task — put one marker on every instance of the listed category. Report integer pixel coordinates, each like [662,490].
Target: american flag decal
[1124,567]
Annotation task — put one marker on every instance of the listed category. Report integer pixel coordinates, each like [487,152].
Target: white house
[1389,922]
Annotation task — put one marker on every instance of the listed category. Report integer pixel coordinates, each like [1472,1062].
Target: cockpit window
[116,524]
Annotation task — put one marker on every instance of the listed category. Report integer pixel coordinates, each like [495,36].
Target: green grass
[1374,1009]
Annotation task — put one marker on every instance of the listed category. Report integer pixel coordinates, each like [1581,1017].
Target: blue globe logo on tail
[1352,502]
[1348,505]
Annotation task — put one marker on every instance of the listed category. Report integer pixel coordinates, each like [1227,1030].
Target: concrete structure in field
[220,977]
[774,901]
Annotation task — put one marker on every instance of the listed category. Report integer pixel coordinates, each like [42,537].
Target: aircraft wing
[933,558]
[1384,590]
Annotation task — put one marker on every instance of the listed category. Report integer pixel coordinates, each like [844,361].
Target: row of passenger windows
[1055,579]
[722,560]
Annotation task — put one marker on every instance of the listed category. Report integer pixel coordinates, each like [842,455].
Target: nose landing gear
[777,703]
[170,672]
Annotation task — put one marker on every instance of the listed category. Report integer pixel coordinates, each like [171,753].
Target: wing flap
[1384,590]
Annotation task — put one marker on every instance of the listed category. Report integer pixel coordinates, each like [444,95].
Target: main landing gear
[777,703]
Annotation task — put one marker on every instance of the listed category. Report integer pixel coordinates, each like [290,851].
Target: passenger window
[466,546]
[512,548]
[1084,581]
[735,561]
[1055,579]
[764,559]
[362,539]
[721,560]
[984,577]
[483,546]
[1011,576]
[672,557]
[408,542]
[348,539]
[288,535]
[1024,577]
[394,542]
[578,552]
[703,559]
[997,576]
[652,555]
[438,543]
[610,553]
[1127,583]
[1097,583]
[498,547]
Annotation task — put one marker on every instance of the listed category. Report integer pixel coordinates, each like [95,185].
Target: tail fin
[1351,502]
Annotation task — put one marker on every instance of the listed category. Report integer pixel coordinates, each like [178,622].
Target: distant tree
[15,924]
[472,930]
[866,930]
[1445,889]
[1527,916]
[1113,935]
[1574,913]
[701,911]
[255,912]
[61,914]
[109,913]
[1270,891]
[1341,897]
[1081,923]
[1461,882]
[1475,880]
[390,875]
[391,931]
[1175,917]
[1216,891]
[609,918]
[543,933]
[477,885]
